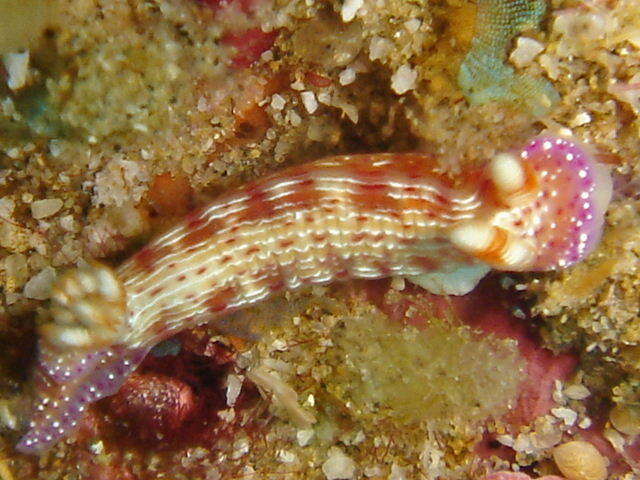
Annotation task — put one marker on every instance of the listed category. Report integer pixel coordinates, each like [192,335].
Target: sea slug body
[359,216]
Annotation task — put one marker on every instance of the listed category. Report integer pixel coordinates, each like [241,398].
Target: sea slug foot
[458,281]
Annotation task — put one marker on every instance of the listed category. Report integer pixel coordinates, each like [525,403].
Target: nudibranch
[357,216]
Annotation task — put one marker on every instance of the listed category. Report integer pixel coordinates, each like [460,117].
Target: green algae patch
[443,374]
[484,76]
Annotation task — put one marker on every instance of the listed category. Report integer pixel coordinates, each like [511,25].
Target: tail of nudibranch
[66,382]
[80,359]
[553,195]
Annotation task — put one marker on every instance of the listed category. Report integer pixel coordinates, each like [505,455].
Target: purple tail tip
[70,383]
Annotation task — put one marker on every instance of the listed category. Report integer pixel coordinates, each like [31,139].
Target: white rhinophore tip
[59,296]
[87,280]
[64,336]
[518,255]
[507,173]
[85,312]
[76,337]
[63,316]
[472,237]
[109,285]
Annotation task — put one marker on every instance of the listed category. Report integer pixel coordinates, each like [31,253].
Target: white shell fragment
[338,465]
[349,9]
[17,65]
[404,79]
[309,101]
[526,50]
[39,286]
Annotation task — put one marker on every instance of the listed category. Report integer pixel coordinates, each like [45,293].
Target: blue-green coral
[485,77]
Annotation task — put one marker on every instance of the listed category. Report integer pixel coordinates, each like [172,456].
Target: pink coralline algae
[153,403]
[249,45]
[539,207]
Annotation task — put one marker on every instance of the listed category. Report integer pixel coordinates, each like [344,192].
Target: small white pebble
[412,25]
[310,401]
[350,111]
[324,97]
[567,415]
[293,118]
[506,440]
[580,119]
[585,423]
[17,66]
[298,85]
[375,471]
[523,444]
[7,205]
[55,147]
[228,415]
[39,286]
[338,466]
[45,208]
[379,48]
[577,392]
[203,104]
[7,416]
[280,345]
[304,436]
[404,79]
[240,448]
[309,101]
[277,102]
[349,9]
[347,76]
[97,448]
[565,132]
[68,223]
[234,387]
[173,70]
[558,394]
[525,51]
[285,456]
[14,153]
